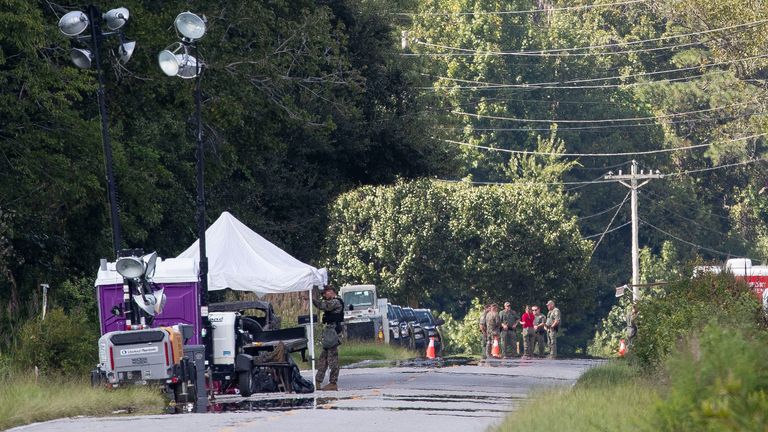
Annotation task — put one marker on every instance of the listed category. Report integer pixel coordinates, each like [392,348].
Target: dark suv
[431,326]
[418,337]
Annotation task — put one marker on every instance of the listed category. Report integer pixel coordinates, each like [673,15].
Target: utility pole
[633,185]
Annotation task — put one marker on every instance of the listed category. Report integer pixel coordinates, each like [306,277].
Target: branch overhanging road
[469,397]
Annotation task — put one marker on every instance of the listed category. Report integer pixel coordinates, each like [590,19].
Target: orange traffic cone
[431,348]
[622,348]
[496,349]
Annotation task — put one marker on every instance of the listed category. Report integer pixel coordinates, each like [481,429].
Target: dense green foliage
[685,306]
[304,101]
[698,364]
[428,243]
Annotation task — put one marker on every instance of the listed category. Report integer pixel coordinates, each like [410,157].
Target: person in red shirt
[527,321]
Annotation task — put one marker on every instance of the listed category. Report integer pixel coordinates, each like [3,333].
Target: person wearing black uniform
[333,316]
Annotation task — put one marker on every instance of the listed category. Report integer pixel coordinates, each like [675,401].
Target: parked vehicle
[431,327]
[419,340]
[361,315]
[394,324]
[406,336]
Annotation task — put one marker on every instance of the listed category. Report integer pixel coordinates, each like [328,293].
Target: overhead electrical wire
[609,231]
[597,128]
[470,53]
[599,213]
[717,167]
[568,51]
[715,251]
[679,216]
[623,154]
[522,12]
[649,191]
[486,84]
[610,223]
[615,120]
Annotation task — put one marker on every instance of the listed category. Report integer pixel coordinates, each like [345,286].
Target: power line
[524,183]
[626,119]
[717,167]
[667,210]
[521,12]
[609,231]
[624,154]
[568,51]
[609,224]
[600,213]
[463,52]
[649,191]
[599,127]
[615,77]
[726,254]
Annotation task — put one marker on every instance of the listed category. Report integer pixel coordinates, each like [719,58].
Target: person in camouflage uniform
[333,315]
[552,325]
[483,331]
[493,328]
[509,321]
[540,333]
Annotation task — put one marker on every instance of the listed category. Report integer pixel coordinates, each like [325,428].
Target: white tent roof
[242,260]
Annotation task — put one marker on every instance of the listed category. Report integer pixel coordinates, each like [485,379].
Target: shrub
[463,337]
[687,305]
[63,343]
[719,381]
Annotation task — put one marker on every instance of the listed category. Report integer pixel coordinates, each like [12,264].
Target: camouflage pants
[508,343]
[528,342]
[539,341]
[328,359]
[552,340]
[483,345]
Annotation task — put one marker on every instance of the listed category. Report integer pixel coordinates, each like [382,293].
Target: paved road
[451,398]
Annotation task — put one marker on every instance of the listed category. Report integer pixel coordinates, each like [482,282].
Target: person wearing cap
[483,331]
[333,316]
[509,321]
[552,325]
[540,333]
[492,327]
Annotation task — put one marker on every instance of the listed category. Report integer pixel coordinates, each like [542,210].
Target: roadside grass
[23,401]
[353,352]
[611,397]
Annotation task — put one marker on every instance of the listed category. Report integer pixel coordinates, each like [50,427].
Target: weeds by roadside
[24,401]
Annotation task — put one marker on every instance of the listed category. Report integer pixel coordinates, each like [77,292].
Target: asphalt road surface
[413,397]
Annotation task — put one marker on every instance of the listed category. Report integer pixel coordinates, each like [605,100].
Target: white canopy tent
[242,260]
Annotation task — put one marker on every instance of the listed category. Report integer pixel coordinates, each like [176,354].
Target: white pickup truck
[362,315]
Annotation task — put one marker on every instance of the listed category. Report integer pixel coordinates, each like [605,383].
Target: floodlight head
[126,51]
[82,58]
[168,62]
[116,18]
[152,304]
[73,23]
[190,26]
[130,267]
[188,66]
[151,260]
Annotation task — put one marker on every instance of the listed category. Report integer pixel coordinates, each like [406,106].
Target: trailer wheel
[245,383]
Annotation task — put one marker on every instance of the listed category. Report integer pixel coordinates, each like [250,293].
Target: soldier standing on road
[552,325]
[540,333]
[493,327]
[484,331]
[508,319]
[333,315]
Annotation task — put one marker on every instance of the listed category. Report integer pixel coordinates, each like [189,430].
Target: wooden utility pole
[633,177]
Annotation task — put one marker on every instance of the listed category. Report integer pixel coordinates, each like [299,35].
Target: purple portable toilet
[178,276]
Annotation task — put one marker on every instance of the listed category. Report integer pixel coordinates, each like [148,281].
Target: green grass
[607,398]
[353,352]
[22,401]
